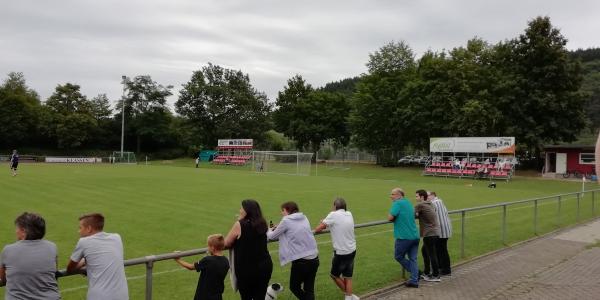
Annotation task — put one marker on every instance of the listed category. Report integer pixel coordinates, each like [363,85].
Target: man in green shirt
[402,214]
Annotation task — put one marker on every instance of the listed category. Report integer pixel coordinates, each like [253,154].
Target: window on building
[587,158]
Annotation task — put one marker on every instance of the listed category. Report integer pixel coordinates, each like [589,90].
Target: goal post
[282,162]
[119,157]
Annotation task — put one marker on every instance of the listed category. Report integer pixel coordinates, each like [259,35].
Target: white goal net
[282,162]
[119,157]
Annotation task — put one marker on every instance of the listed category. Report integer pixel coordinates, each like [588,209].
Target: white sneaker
[354,297]
[431,278]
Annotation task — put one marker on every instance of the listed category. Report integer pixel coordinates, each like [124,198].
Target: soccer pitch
[161,208]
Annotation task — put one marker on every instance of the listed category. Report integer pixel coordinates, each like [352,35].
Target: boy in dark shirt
[213,270]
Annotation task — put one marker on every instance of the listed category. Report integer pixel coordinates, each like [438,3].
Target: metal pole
[593,203]
[149,266]
[558,213]
[504,224]
[297,163]
[123,114]
[462,234]
[578,198]
[535,216]
[317,164]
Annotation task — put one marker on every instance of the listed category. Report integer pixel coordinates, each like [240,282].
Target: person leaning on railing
[251,260]
[297,245]
[28,266]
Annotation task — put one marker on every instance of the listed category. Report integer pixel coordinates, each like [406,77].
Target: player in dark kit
[14,162]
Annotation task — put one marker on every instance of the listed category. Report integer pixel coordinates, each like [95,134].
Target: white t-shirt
[341,225]
[103,253]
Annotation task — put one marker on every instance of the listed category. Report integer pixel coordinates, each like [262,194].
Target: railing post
[558,213]
[149,266]
[535,217]
[593,203]
[462,234]
[578,198]
[504,224]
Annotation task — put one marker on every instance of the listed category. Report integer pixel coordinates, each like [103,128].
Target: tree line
[530,87]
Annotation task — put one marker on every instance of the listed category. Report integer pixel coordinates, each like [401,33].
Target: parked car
[406,160]
[420,160]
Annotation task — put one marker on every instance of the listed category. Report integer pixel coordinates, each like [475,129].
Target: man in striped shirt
[445,234]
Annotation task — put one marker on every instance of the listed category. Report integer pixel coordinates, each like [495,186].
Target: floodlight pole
[123,114]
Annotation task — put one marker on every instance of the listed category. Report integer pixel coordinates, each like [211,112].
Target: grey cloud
[93,43]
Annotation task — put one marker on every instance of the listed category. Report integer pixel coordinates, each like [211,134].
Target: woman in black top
[252,264]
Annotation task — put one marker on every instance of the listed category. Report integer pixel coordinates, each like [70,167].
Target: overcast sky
[92,43]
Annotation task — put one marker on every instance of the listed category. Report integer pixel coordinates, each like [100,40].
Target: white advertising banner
[242,143]
[503,145]
[76,160]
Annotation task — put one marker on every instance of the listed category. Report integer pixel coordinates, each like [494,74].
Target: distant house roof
[571,146]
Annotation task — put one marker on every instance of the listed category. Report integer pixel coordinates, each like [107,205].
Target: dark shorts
[14,165]
[343,265]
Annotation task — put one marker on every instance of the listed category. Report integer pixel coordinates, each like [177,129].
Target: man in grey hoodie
[297,245]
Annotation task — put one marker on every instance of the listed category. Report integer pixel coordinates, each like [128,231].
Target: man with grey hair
[341,224]
[445,233]
[402,214]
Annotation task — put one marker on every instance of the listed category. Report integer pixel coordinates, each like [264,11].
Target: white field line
[131,278]
[454,219]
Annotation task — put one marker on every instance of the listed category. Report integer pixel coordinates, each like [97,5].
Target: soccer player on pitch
[14,162]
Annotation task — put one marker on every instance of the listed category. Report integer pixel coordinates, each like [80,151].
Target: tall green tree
[222,103]
[19,106]
[146,111]
[69,118]
[67,99]
[382,117]
[545,103]
[391,58]
[286,113]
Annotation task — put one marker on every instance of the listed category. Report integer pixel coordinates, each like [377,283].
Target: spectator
[101,254]
[405,233]
[456,164]
[341,224]
[28,266]
[430,231]
[197,161]
[252,263]
[501,164]
[445,234]
[213,270]
[297,245]
[598,156]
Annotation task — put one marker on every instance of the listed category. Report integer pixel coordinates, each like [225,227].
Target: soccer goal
[119,157]
[282,162]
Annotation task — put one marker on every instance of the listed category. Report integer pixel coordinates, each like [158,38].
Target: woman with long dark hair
[252,264]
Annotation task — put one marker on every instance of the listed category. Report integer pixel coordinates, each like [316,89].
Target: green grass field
[169,206]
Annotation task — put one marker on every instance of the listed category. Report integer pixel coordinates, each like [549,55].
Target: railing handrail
[150,259]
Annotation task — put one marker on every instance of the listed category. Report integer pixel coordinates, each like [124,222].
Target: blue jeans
[411,248]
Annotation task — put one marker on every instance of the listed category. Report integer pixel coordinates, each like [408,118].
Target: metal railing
[151,259]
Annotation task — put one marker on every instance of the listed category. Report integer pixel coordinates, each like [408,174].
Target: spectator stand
[236,152]
[472,157]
